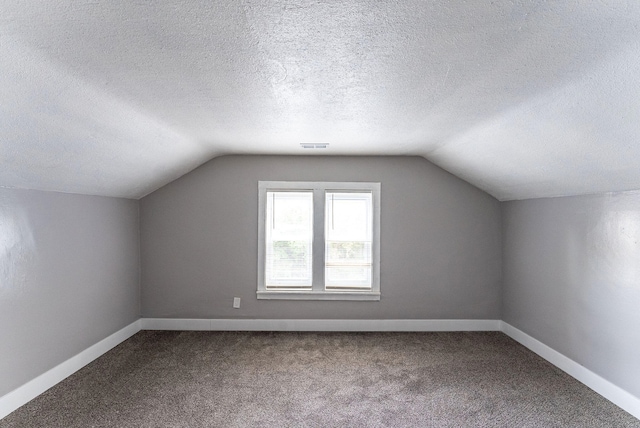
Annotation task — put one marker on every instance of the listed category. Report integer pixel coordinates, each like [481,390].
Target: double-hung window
[319,240]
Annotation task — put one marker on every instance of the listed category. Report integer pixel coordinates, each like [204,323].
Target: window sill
[315,295]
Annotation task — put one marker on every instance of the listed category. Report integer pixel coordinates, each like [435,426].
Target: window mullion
[318,239]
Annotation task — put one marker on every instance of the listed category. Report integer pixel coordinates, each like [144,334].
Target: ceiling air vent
[314,145]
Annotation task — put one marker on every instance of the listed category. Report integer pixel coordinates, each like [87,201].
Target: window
[319,240]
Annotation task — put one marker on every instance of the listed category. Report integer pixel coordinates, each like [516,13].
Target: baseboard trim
[318,325]
[608,390]
[25,393]
[30,390]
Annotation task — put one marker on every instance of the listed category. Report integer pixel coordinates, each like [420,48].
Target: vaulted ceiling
[521,98]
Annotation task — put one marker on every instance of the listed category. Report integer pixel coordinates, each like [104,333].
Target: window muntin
[337,258]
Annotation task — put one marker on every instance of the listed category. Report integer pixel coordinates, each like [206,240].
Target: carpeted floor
[229,379]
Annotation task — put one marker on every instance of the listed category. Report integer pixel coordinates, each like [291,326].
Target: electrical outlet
[236,302]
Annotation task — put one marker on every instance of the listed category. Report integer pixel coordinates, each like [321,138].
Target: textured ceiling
[521,98]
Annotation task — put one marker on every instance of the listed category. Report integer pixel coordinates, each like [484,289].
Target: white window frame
[318,291]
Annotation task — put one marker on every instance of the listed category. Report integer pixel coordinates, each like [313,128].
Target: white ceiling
[523,99]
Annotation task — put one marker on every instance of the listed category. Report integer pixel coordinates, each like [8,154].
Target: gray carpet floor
[249,379]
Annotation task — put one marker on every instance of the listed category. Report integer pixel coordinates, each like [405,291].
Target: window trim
[318,292]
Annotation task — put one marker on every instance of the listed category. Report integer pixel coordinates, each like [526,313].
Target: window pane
[348,237]
[289,239]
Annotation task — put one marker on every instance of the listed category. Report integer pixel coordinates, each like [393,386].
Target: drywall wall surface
[69,277]
[572,279]
[440,241]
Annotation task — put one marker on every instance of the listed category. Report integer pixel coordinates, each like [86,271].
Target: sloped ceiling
[523,99]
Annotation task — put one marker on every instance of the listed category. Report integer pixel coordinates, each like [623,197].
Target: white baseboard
[35,387]
[186,324]
[608,390]
[318,325]
[30,390]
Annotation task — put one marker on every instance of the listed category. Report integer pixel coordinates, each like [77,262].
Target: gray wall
[572,279]
[69,277]
[440,241]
